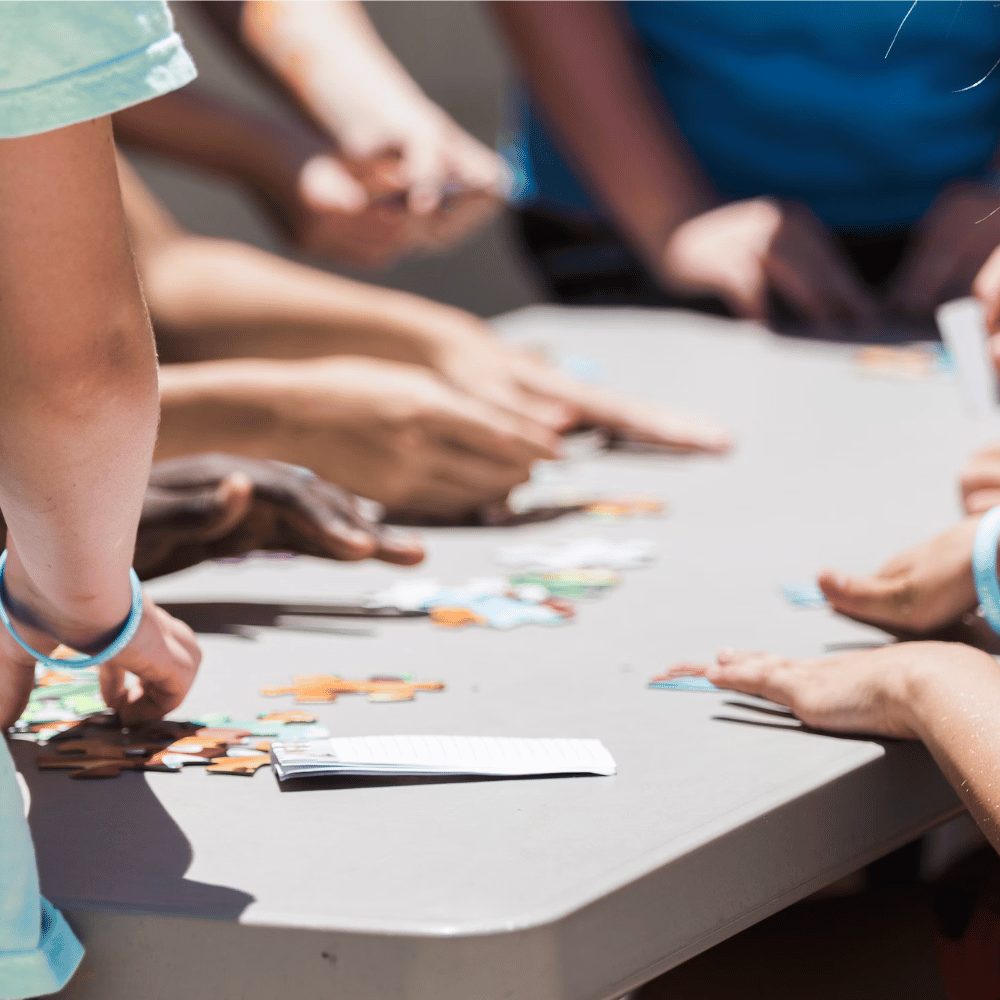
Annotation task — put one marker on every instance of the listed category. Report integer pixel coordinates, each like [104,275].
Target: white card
[963,329]
[499,756]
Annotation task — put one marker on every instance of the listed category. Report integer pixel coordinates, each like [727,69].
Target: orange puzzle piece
[324,688]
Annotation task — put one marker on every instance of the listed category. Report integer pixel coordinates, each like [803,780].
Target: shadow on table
[770,717]
[110,844]
[243,618]
[334,784]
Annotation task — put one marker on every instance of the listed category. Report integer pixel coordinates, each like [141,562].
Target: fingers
[871,599]
[426,174]
[813,276]
[199,514]
[486,431]
[326,185]
[402,548]
[759,674]
[165,672]
[986,288]
[981,479]
[746,293]
[478,167]
[980,501]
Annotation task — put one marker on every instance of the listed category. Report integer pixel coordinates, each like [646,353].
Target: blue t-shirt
[800,100]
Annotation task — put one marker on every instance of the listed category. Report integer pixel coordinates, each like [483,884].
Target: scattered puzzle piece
[578,553]
[288,717]
[325,688]
[569,583]
[803,595]
[911,361]
[682,679]
[247,766]
[614,510]
[455,617]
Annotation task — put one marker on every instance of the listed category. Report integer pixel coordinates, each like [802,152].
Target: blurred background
[484,274]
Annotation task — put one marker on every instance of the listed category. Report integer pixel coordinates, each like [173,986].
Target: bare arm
[957,720]
[77,383]
[213,298]
[579,61]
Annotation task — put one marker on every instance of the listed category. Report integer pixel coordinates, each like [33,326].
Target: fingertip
[235,491]
[350,544]
[423,200]
[325,186]
[832,584]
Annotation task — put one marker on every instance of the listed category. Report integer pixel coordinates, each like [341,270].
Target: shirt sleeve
[68,61]
[38,952]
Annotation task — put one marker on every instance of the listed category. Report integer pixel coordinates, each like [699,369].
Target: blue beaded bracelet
[123,638]
[984,567]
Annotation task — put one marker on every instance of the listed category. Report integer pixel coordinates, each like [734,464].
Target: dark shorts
[581,262]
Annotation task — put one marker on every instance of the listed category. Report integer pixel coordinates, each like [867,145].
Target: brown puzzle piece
[95,749]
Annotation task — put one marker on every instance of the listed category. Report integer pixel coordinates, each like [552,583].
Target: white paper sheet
[499,756]
[963,330]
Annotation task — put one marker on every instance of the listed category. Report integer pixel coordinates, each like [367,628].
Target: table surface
[569,887]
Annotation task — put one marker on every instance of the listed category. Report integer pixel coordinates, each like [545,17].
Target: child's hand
[980,480]
[400,435]
[468,356]
[164,657]
[873,692]
[17,678]
[917,592]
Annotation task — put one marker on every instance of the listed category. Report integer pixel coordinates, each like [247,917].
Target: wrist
[83,619]
[658,226]
[934,680]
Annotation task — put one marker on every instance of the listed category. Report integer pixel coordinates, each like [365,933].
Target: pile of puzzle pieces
[98,747]
[543,583]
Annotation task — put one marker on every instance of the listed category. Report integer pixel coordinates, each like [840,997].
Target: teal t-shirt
[68,61]
[63,63]
[806,101]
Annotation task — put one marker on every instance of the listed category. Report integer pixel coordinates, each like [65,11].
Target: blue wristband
[123,638]
[984,567]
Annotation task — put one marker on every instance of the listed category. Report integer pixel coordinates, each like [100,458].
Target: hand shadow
[243,618]
[774,717]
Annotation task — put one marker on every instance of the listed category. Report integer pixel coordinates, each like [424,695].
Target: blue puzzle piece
[685,684]
[803,595]
[503,612]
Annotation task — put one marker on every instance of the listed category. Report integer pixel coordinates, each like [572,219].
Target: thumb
[326,185]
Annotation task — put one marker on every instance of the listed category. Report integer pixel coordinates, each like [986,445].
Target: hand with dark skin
[215,506]
[218,506]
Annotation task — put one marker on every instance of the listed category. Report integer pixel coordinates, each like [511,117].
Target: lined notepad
[496,756]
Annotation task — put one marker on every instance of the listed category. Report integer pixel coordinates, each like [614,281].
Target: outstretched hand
[214,506]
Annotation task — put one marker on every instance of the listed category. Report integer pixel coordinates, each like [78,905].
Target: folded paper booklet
[496,756]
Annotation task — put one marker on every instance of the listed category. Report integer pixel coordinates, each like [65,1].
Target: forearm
[579,62]
[324,53]
[213,299]
[78,383]
[956,716]
[213,134]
